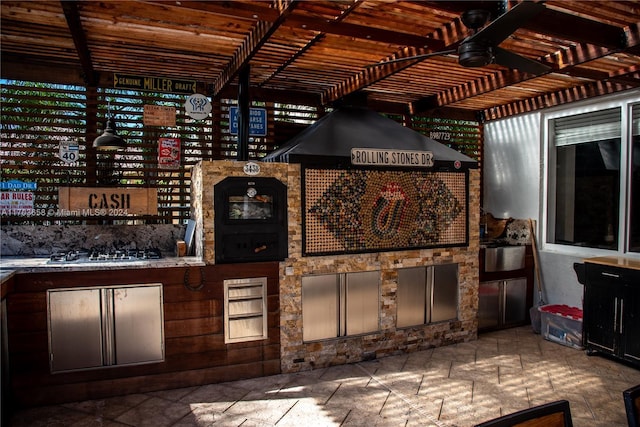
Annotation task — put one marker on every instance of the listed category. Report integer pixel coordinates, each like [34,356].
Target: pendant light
[109,140]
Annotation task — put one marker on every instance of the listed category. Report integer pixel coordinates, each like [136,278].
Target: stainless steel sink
[504,258]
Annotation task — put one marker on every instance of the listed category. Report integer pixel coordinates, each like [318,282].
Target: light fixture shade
[109,140]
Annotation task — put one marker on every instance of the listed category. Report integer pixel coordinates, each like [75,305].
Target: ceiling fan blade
[411,58]
[513,60]
[507,23]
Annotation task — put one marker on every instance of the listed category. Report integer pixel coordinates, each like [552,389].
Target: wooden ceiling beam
[554,99]
[261,11]
[551,22]
[629,76]
[363,32]
[453,33]
[564,62]
[251,11]
[310,44]
[559,24]
[633,39]
[71,14]
[258,37]
[451,113]
[15,68]
[632,80]
[273,95]
[612,38]
[470,89]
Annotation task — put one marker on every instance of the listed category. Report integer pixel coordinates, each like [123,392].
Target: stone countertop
[10,265]
[5,274]
[616,261]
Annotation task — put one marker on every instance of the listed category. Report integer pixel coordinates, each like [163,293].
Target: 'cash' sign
[105,201]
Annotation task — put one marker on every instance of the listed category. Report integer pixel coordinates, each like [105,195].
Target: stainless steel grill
[103,254]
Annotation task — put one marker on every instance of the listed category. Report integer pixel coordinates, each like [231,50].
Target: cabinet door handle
[615,314]
[604,273]
[621,312]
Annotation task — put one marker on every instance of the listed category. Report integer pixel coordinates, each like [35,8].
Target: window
[593,193]
[250,206]
[634,210]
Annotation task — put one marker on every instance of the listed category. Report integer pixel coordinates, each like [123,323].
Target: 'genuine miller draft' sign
[153,84]
[97,201]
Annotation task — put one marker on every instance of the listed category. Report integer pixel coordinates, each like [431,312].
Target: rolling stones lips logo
[388,210]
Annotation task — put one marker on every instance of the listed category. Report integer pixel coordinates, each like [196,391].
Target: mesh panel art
[350,211]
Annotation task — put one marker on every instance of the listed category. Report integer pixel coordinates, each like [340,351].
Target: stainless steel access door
[335,305]
[427,295]
[320,305]
[411,296]
[502,302]
[362,302]
[444,295]
[105,326]
[138,322]
[75,329]
[489,304]
[515,301]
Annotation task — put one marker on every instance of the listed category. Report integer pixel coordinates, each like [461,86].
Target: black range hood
[330,140]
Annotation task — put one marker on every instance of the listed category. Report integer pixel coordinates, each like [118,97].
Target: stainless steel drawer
[245,314]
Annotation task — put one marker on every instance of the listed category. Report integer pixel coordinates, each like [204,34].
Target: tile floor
[458,385]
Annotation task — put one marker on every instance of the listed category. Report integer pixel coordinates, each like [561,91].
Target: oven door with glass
[250,220]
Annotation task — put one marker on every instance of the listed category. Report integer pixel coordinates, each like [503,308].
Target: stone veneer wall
[204,176]
[297,355]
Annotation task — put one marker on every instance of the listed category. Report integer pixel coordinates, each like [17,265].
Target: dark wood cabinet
[612,308]
[195,351]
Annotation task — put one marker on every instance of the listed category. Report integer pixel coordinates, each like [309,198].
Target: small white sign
[251,168]
[69,152]
[392,158]
[440,136]
[197,106]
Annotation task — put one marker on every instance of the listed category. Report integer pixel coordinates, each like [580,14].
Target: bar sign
[153,84]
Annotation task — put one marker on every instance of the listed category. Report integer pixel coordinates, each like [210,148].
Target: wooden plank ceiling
[321,51]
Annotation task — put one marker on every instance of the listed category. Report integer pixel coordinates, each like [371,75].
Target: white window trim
[624,101]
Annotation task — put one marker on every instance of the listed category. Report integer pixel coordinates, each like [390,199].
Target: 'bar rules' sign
[98,201]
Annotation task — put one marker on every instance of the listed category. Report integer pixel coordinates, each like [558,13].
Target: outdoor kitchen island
[380,259]
[165,328]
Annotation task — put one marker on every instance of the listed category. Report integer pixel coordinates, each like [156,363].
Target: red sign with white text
[169,153]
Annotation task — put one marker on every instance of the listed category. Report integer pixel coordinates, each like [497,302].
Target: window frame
[548,178]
